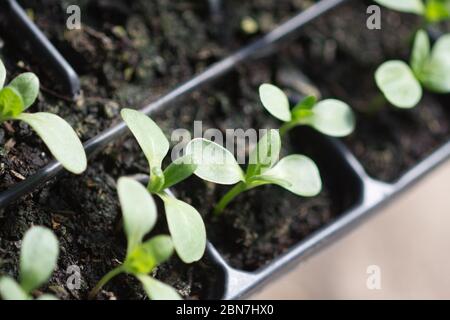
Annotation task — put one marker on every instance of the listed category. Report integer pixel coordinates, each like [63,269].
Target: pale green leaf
[11,103]
[149,136]
[38,257]
[265,154]
[186,229]
[27,84]
[298,174]
[60,138]
[156,290]
[138,210]
[10,290]
[214,162]
[409,6]
[421,52]
[333,117]
[275,101]
[398,84]
[435,75]
[179,170]
[2,74]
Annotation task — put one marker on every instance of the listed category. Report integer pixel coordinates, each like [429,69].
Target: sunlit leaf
[156,290]
[138,209]
[11,103]
[186,229]
[60,138]
[275,101]
[149,136]
[214,162]
[298,174]
[421,52]
[27,84]
[333,117]
[38,257]
[10,290]
[398,84]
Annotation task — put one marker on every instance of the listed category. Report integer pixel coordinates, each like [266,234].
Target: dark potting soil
[127,55]
[341,58]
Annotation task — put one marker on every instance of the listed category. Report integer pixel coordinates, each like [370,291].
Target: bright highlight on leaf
[331,117]
[398,84]
[187,229]
[214,162]
[139,217]
[38,257]
[275,101]
[60,138]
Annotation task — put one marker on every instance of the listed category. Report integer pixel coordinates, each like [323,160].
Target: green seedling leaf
[138,210]
[60,138]
[156,290]
[144,258]
[265,154]
[38,257]
[304,107]
[275,101]
[398,84]
[421,52]
[10,290]
[409,6]
[437,10]
[179,170]
[11,103]
[296,173]
[186,228]
[27,84]
[333,117]
[214,163]
[2,74]
[435,75]
[149,136]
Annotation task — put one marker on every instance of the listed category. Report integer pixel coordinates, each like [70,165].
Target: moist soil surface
[128,55]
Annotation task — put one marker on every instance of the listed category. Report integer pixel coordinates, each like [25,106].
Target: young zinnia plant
[38,258]
[331,117]
[139,217]
[402,84]
[185,223]
[432,11]
[296,173]
[57,134]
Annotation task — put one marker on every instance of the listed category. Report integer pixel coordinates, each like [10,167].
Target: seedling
[432,11]
[402,84]
[331,117]
[38,258]
[57,134]
[139,218]
[296,173]
[185,223]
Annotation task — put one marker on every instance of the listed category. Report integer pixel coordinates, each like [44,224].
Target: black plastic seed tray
[367,194]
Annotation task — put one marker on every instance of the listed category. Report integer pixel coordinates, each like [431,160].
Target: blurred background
[409,239]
